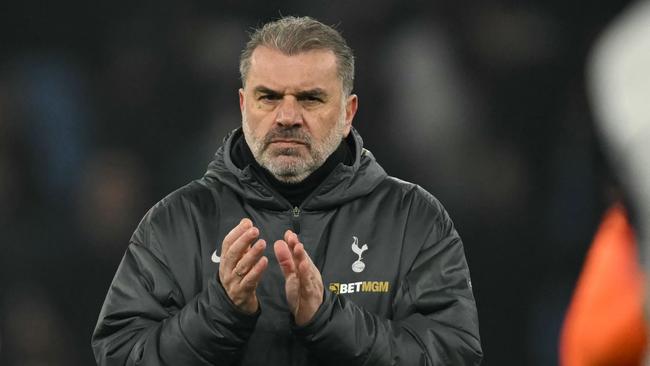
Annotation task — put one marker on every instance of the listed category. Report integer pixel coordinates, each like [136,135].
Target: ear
[351,105]
[241,101]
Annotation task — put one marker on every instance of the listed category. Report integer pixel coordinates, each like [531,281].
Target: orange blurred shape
[605,324]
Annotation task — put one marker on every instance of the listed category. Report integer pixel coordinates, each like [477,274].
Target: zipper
[295,210]
[295,219]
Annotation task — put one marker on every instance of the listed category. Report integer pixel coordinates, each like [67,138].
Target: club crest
[358,266]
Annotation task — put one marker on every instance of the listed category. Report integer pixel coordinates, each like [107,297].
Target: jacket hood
[343,184]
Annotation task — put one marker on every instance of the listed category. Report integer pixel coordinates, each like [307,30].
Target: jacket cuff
[216,319]
[234,314]
[213,327]
[318,321]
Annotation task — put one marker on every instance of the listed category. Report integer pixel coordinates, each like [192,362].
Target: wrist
[249,308]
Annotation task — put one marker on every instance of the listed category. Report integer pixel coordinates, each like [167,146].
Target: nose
[288,112]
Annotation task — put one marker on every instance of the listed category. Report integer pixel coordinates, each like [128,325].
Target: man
[365,269]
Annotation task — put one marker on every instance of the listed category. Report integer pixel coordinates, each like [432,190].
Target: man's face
[294,113]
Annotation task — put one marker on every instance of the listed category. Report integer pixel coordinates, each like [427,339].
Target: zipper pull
[295,220]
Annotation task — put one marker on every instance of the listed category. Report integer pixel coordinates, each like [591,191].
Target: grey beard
[295,171]
[292,176]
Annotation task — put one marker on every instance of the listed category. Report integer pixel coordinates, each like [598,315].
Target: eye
[311,99]
[268,97]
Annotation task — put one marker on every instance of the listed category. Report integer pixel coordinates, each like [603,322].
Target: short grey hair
[293,35]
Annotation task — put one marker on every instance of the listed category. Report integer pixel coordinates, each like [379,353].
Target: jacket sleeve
[434,320]
[146,321]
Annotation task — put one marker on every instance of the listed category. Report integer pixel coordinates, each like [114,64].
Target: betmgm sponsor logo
[361,286]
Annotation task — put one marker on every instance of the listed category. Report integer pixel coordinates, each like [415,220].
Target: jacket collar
[343,184]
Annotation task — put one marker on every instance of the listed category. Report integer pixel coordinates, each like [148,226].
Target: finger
[301,257]
[252,278]
[300,254]
[284,258]
[243,243]
[249,258]
[239,247]
[235,233]
[309,275]
[291,239]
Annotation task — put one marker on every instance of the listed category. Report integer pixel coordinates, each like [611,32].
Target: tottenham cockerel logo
[358,266]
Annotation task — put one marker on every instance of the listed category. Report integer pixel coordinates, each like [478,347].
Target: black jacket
[398,290]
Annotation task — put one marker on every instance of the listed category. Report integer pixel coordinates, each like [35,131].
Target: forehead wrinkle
[304,71]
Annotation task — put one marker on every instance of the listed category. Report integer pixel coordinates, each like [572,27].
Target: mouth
[287,142]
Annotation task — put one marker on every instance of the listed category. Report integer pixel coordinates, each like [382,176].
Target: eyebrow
[261,89]
[315,92]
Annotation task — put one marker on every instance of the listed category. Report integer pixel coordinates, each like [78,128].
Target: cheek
[259,106]
[258,123]
[262,107]
[326,121]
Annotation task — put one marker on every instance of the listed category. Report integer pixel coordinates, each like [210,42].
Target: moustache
[287,133]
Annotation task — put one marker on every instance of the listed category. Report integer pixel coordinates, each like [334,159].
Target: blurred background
[105,107]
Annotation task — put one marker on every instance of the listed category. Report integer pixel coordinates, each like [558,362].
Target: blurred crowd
[107,107]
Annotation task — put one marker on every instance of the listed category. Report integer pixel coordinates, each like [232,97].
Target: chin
[288,169]
[286,162]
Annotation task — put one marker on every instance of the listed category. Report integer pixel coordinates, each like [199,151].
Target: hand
[303,282]
[242,265]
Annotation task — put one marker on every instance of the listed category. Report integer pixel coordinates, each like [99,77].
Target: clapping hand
[242,265]
[303,282]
